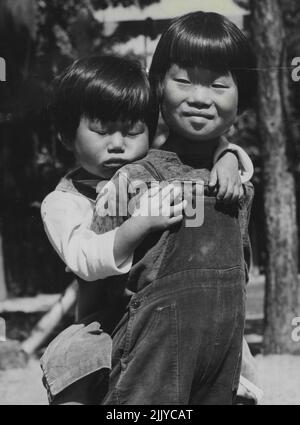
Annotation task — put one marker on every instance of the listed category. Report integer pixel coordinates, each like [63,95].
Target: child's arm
[133,231]
[67,218]
[232,168]
[91,256]
[246,169]
[245,205]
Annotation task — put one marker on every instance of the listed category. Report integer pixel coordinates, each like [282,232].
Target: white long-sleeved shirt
[67,219]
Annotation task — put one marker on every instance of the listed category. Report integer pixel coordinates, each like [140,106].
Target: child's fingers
[213,179]
[178,208]
[154,189]
[236,193]
[229,193]
[169,211]
[222,189]
[177,193]
[175,219]
[175,190]
[241,192]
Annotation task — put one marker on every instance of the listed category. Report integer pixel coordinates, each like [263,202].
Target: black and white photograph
[149,215]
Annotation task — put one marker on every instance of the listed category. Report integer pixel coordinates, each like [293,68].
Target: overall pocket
[149,364]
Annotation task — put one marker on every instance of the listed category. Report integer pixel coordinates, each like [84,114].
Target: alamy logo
[2,69]
[2,330]
[123,197]
[296,69]
[296,330]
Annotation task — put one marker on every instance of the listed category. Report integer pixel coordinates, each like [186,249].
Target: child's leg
[249,391]
[89,390]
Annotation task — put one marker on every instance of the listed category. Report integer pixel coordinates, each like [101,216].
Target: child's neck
[184,147]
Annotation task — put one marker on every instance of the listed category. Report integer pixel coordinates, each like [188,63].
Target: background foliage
[38,38]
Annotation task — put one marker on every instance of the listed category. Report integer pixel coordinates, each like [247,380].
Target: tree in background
[37,38]
[282,302]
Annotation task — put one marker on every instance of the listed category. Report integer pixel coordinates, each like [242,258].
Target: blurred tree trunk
[282,302]
[3,291]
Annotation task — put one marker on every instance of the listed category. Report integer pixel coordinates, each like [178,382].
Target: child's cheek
[228,107]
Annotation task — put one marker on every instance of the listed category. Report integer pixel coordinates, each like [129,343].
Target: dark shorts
[75,354]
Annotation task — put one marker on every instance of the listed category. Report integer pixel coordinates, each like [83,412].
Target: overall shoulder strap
[152,170]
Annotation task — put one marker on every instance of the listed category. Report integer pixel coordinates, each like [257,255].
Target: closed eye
[219,86]
[134,133]
[101,132]
[182,81]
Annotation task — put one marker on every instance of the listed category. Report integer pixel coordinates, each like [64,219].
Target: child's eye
[98,130]
[134,133]
[136,130]
[182,81]
[219,86]
[101,132]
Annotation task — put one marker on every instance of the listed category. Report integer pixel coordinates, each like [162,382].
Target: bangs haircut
[210,41]
[106,88]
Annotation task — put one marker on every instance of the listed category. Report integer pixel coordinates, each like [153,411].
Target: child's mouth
[198,117]
[114,163]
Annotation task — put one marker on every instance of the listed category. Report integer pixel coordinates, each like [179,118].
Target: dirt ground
[280,377]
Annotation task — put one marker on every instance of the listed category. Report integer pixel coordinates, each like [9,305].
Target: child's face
[199,104]
[102,149]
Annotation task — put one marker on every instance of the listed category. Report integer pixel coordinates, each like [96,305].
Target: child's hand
[143,221]
[226,180]
[159,208]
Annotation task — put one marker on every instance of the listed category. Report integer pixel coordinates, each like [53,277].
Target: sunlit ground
[280,375]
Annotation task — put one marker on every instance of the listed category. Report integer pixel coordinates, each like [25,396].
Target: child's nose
[200,96]
[116,143]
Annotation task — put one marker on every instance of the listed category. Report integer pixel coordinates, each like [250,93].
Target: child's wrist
[141,225]
[228,151]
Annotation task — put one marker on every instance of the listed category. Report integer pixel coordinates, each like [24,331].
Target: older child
[181,340]
[105,114]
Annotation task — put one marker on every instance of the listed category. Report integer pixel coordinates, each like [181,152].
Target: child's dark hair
[105,88]
[207,40]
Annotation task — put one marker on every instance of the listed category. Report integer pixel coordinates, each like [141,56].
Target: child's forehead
[118,125]
[196,72]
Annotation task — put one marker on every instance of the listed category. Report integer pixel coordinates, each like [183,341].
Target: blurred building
[137,30]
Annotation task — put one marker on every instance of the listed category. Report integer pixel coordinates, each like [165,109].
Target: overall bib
[180,340]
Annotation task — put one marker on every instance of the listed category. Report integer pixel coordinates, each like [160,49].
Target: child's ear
[231,131]
[160,91]
[66,144]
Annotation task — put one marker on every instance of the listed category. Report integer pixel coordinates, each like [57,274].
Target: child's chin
[201,137]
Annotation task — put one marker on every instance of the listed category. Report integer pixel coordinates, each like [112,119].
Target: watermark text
[296,330]
[123,197]
[296,70]
[2,69]
[2,330]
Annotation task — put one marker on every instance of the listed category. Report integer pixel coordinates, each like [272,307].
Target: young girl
[105,114]
[181,340]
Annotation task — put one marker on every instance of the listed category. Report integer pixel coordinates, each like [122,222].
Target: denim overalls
[180,340]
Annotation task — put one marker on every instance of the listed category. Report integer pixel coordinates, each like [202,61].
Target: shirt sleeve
[244,218]
[245,163]
[67,219]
